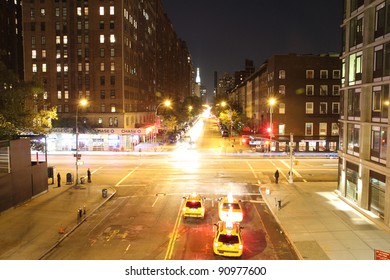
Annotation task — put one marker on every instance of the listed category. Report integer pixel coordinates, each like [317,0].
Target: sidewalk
[44,221]
[322,226]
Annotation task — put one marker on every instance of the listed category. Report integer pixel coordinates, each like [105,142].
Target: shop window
[377,185]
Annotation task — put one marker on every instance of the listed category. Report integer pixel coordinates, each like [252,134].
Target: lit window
[309,108]
[308,129]
[34,54]
[44,67]
[323,128]
[101,66]
[101,11]
[282,108]
[113,108]
[86,11]
[100,120]
[58,40]
[112,38]
[45,95]
[282,89]
[43,12]
[101,39]
[66,68]
[309,89]
[79,11]
[58,67]
[66,94]
[65,39]
[79,67]
[324,90]
[43,53]
[112,10]
[112,66]
[282,74]
[335,129]
[59,94]
[34,68]
[87,66]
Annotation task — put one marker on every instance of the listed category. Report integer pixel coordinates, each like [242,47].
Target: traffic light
[269,130]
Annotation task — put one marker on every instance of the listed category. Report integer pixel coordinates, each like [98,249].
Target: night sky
[221,34]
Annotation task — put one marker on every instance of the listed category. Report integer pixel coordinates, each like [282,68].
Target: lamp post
[166,103]
[223,104]
[82,102]
[271,102]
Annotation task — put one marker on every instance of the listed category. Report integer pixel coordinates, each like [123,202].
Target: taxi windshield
[228,239]
[193,204]
[232,205]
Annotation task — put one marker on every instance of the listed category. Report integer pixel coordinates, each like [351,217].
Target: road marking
[155,201]
[294,170]
[124,178]
[171,244]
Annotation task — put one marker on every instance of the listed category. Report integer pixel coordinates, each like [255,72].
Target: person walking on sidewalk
[89,175]
[276,175]
[58,180]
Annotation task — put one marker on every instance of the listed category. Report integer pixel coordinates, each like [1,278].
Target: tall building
[11,44]
[122,56]
[363,167]
[305,91]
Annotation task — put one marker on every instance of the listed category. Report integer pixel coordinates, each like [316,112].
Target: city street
[143,220]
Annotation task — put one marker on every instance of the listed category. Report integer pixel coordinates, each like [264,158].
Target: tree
[19,103]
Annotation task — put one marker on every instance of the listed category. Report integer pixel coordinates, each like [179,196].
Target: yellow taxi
[227,240]
[230,208]
[193,206]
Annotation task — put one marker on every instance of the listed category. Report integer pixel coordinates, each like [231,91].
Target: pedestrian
[89,175]
[276,176]
[58,179]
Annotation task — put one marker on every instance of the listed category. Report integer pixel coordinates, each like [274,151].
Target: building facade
[305,91]
[363,167]
[11,49]
[122,56]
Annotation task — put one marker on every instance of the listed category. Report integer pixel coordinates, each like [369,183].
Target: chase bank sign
[123,131]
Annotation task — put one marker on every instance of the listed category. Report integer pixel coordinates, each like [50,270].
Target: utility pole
[290,179]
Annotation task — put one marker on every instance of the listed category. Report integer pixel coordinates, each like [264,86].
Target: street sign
[382,255]
[78,156]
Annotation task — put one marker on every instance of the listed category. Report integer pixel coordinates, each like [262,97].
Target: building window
[59,94]
[380,103]
[101,66]
[309,89]
[335,90]
[112,66]
[355,68]
[102,108]
[282,89]
[112,10]
[102,80]
[309,107]
[102,94]
[353,131]
[323,89]
[323,74]
[282,129]
[379,144]
[282,74]
[356,31]
[34,54]
[282,108]
[101,40]
[113,108]
[323,129]
[112,38]
[323,107]
[101,11]
[44,67]
[100,120]
[377,196]
[309,74]
[112,94]
[336,74]
[112,52]
[381,61]
[335,108]
[354,103]
[335,129]
[308,129]
[101,24]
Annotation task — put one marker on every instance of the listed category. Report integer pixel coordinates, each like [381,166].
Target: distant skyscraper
[197,83]
[197,80]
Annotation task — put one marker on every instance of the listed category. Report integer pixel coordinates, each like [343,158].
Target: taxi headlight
[215,244]
[240,246]
[184,208]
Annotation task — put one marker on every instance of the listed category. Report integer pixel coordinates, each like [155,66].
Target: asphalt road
[143,220]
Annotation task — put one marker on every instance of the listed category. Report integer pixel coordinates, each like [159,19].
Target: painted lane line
[172,240]
[124,178]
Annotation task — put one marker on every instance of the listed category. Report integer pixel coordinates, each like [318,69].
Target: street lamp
[271,102]
[223,104]
[166,103]
[82,102]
